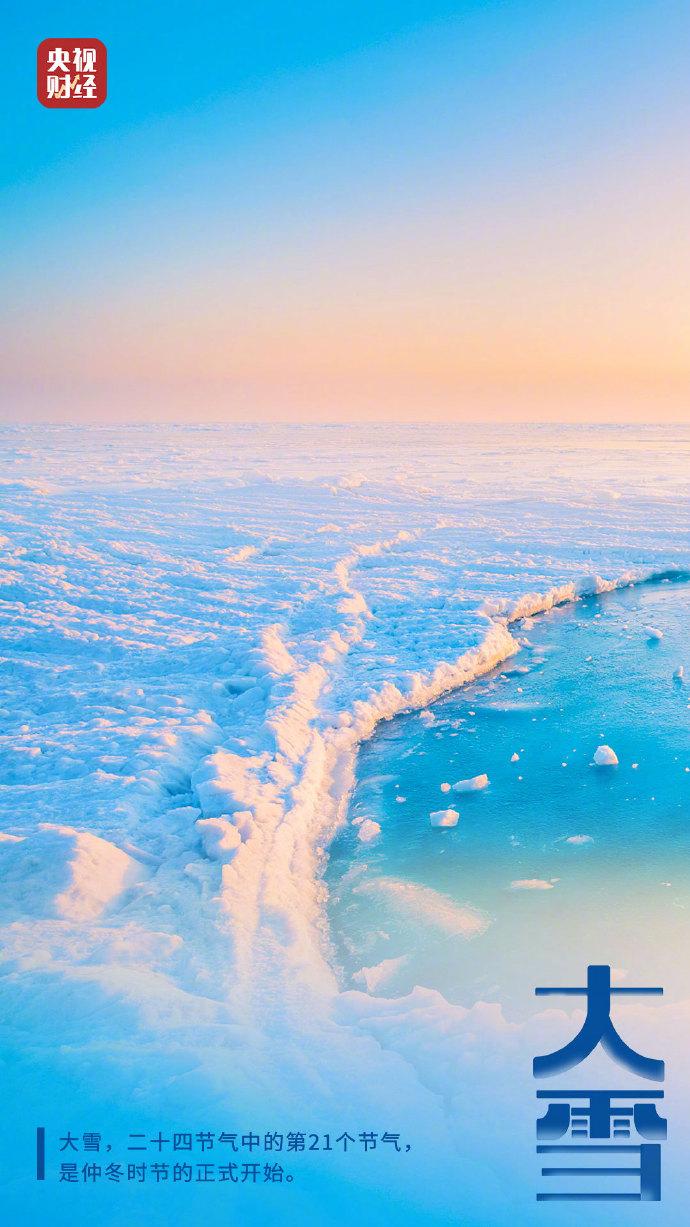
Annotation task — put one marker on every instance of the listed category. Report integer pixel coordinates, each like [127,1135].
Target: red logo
[72,72]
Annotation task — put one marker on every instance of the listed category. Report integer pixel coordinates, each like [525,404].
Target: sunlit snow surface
[200,626]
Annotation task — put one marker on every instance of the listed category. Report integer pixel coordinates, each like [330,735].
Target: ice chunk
[368,830]
[220,838]
[515,758]
[604,756]
[444,818]
[654,633]
[531,884]
[475,784]
[60,872]
[445,787]
[374,978]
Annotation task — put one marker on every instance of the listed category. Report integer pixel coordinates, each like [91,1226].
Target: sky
[411,210]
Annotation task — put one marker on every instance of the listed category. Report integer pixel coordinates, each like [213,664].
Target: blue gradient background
[344,211]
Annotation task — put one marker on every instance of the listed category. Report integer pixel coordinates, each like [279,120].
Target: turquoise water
[438,907]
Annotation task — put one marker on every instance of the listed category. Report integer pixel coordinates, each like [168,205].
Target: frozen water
[201,626]
[592,846]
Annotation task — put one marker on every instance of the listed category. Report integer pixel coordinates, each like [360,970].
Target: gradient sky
[413,209]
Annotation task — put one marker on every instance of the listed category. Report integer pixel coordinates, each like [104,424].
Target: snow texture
[200,627]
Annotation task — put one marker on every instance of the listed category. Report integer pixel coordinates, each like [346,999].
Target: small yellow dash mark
[68,87]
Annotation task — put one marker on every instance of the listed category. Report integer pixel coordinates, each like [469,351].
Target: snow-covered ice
[200,627]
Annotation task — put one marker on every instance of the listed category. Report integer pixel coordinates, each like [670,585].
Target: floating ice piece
[475,784]
[679,673]
[444,818]
[445,787]
[531,884]
[604,756]
[515,758]
[654,633]
[374,978]
[401,800]
[579,839]
[368,830]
